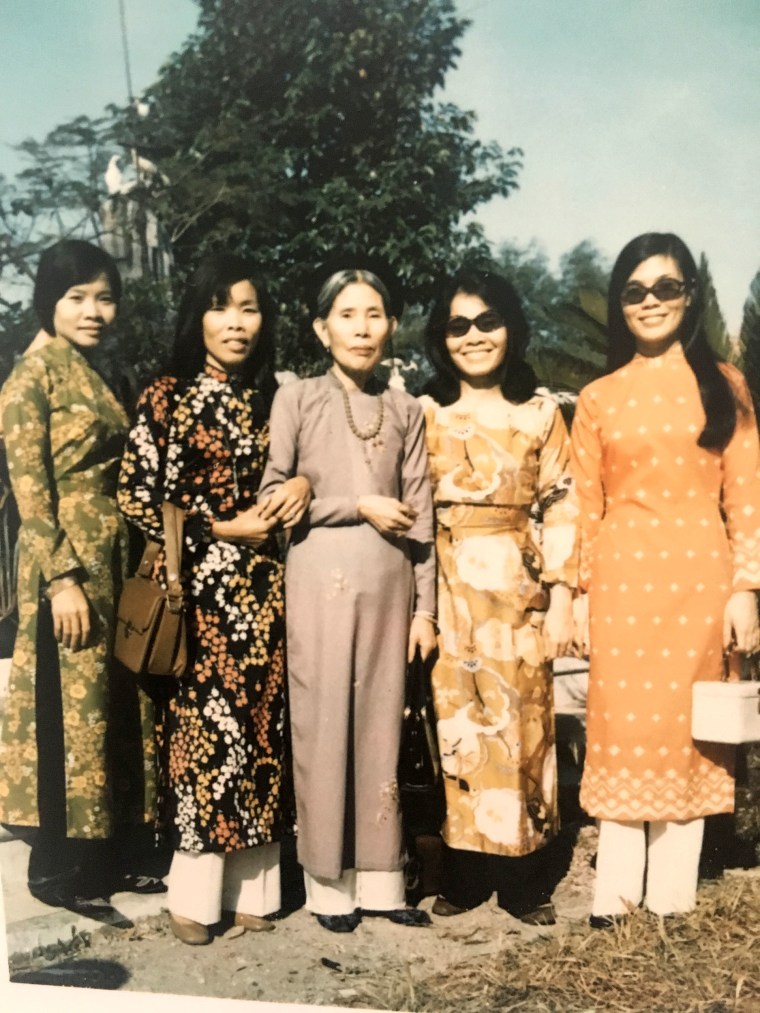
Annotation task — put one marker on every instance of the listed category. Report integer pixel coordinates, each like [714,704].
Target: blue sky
[633,114]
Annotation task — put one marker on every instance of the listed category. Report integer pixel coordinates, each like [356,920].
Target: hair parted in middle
[718,397]
[518,381]
[210,286]
[337,282]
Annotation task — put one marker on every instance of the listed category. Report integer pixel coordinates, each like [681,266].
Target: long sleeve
[416,491]
[586,456]
[741,491]
[141,479]
[283,461]
[26,423]
[143,485]
[558,505]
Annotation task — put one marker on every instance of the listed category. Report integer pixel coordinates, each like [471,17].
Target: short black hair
[68,263]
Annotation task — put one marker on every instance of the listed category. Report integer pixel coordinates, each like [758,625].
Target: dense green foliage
[567,311]
[749,341]
[287,129]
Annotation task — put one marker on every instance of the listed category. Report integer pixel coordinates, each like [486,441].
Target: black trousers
[86,866]
[468,878]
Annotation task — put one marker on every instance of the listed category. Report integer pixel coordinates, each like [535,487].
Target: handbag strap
[174,522]
[738,667]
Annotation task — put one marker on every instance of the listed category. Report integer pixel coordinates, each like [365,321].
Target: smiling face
[476,355]
[84,311]
[231,331]
[355,331]
[654,323]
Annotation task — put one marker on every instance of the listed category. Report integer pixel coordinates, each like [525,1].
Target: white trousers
[202,885]
[657,862]
[373,891]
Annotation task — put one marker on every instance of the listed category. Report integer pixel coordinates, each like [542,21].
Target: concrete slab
[30,924]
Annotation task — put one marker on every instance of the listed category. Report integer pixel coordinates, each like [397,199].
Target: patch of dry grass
[704,962]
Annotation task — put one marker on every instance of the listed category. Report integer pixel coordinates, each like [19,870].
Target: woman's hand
[741,628]
[288,503]
[71,617]
[248,528]
[387,515]
[558,623]
[422,636]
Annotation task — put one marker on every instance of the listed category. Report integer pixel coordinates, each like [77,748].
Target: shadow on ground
[105,974]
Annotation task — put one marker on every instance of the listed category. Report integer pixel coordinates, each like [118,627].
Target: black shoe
[410,916]
[97,908]
[446,909]
[604,921]
[133,883]
[543,915]
[340,923]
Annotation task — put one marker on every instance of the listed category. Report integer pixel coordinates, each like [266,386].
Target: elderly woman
[360,592]
[665,449]
[76,755]
[200,441]
[506,511]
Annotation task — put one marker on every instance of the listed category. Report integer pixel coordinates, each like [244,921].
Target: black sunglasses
[664,290]
[488,320]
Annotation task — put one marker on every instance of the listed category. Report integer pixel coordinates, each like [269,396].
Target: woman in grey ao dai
[360,598]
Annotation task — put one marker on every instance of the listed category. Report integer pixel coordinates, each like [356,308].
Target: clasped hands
[387,515]
[284,509]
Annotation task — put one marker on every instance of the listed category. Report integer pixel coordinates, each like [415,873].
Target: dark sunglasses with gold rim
[664,290]
[488,320]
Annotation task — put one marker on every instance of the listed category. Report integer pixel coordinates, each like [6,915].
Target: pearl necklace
[370,431]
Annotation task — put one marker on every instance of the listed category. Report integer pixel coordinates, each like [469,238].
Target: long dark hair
[519,382]
[209,286]
[716,393]
[68,263]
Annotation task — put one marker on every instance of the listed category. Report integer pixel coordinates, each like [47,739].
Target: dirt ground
[380,965]
[300,961]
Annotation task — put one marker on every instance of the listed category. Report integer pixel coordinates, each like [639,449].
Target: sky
[634,115]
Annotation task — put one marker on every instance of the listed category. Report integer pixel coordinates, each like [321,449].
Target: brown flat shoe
[252,923]
[445,909]
[188,931]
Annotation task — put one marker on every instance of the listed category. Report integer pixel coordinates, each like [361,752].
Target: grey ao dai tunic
[350,593]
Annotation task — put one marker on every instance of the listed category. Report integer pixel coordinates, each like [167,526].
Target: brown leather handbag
[151,635]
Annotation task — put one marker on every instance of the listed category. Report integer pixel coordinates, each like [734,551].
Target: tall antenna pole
[125,47]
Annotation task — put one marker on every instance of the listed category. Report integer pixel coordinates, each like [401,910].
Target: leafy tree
[286,129]
[292,143]
[715,326]
[567,313]
[749,341]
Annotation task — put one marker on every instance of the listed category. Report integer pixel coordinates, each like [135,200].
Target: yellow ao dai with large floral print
[506,513]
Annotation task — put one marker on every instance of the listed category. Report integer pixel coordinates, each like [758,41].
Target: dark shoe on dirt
[133,883]
[340,923]
[445,909]
[543,915]
[63,895]
[410,916]
[604,921]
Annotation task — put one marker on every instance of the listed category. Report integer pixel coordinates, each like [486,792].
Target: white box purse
[727,711]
